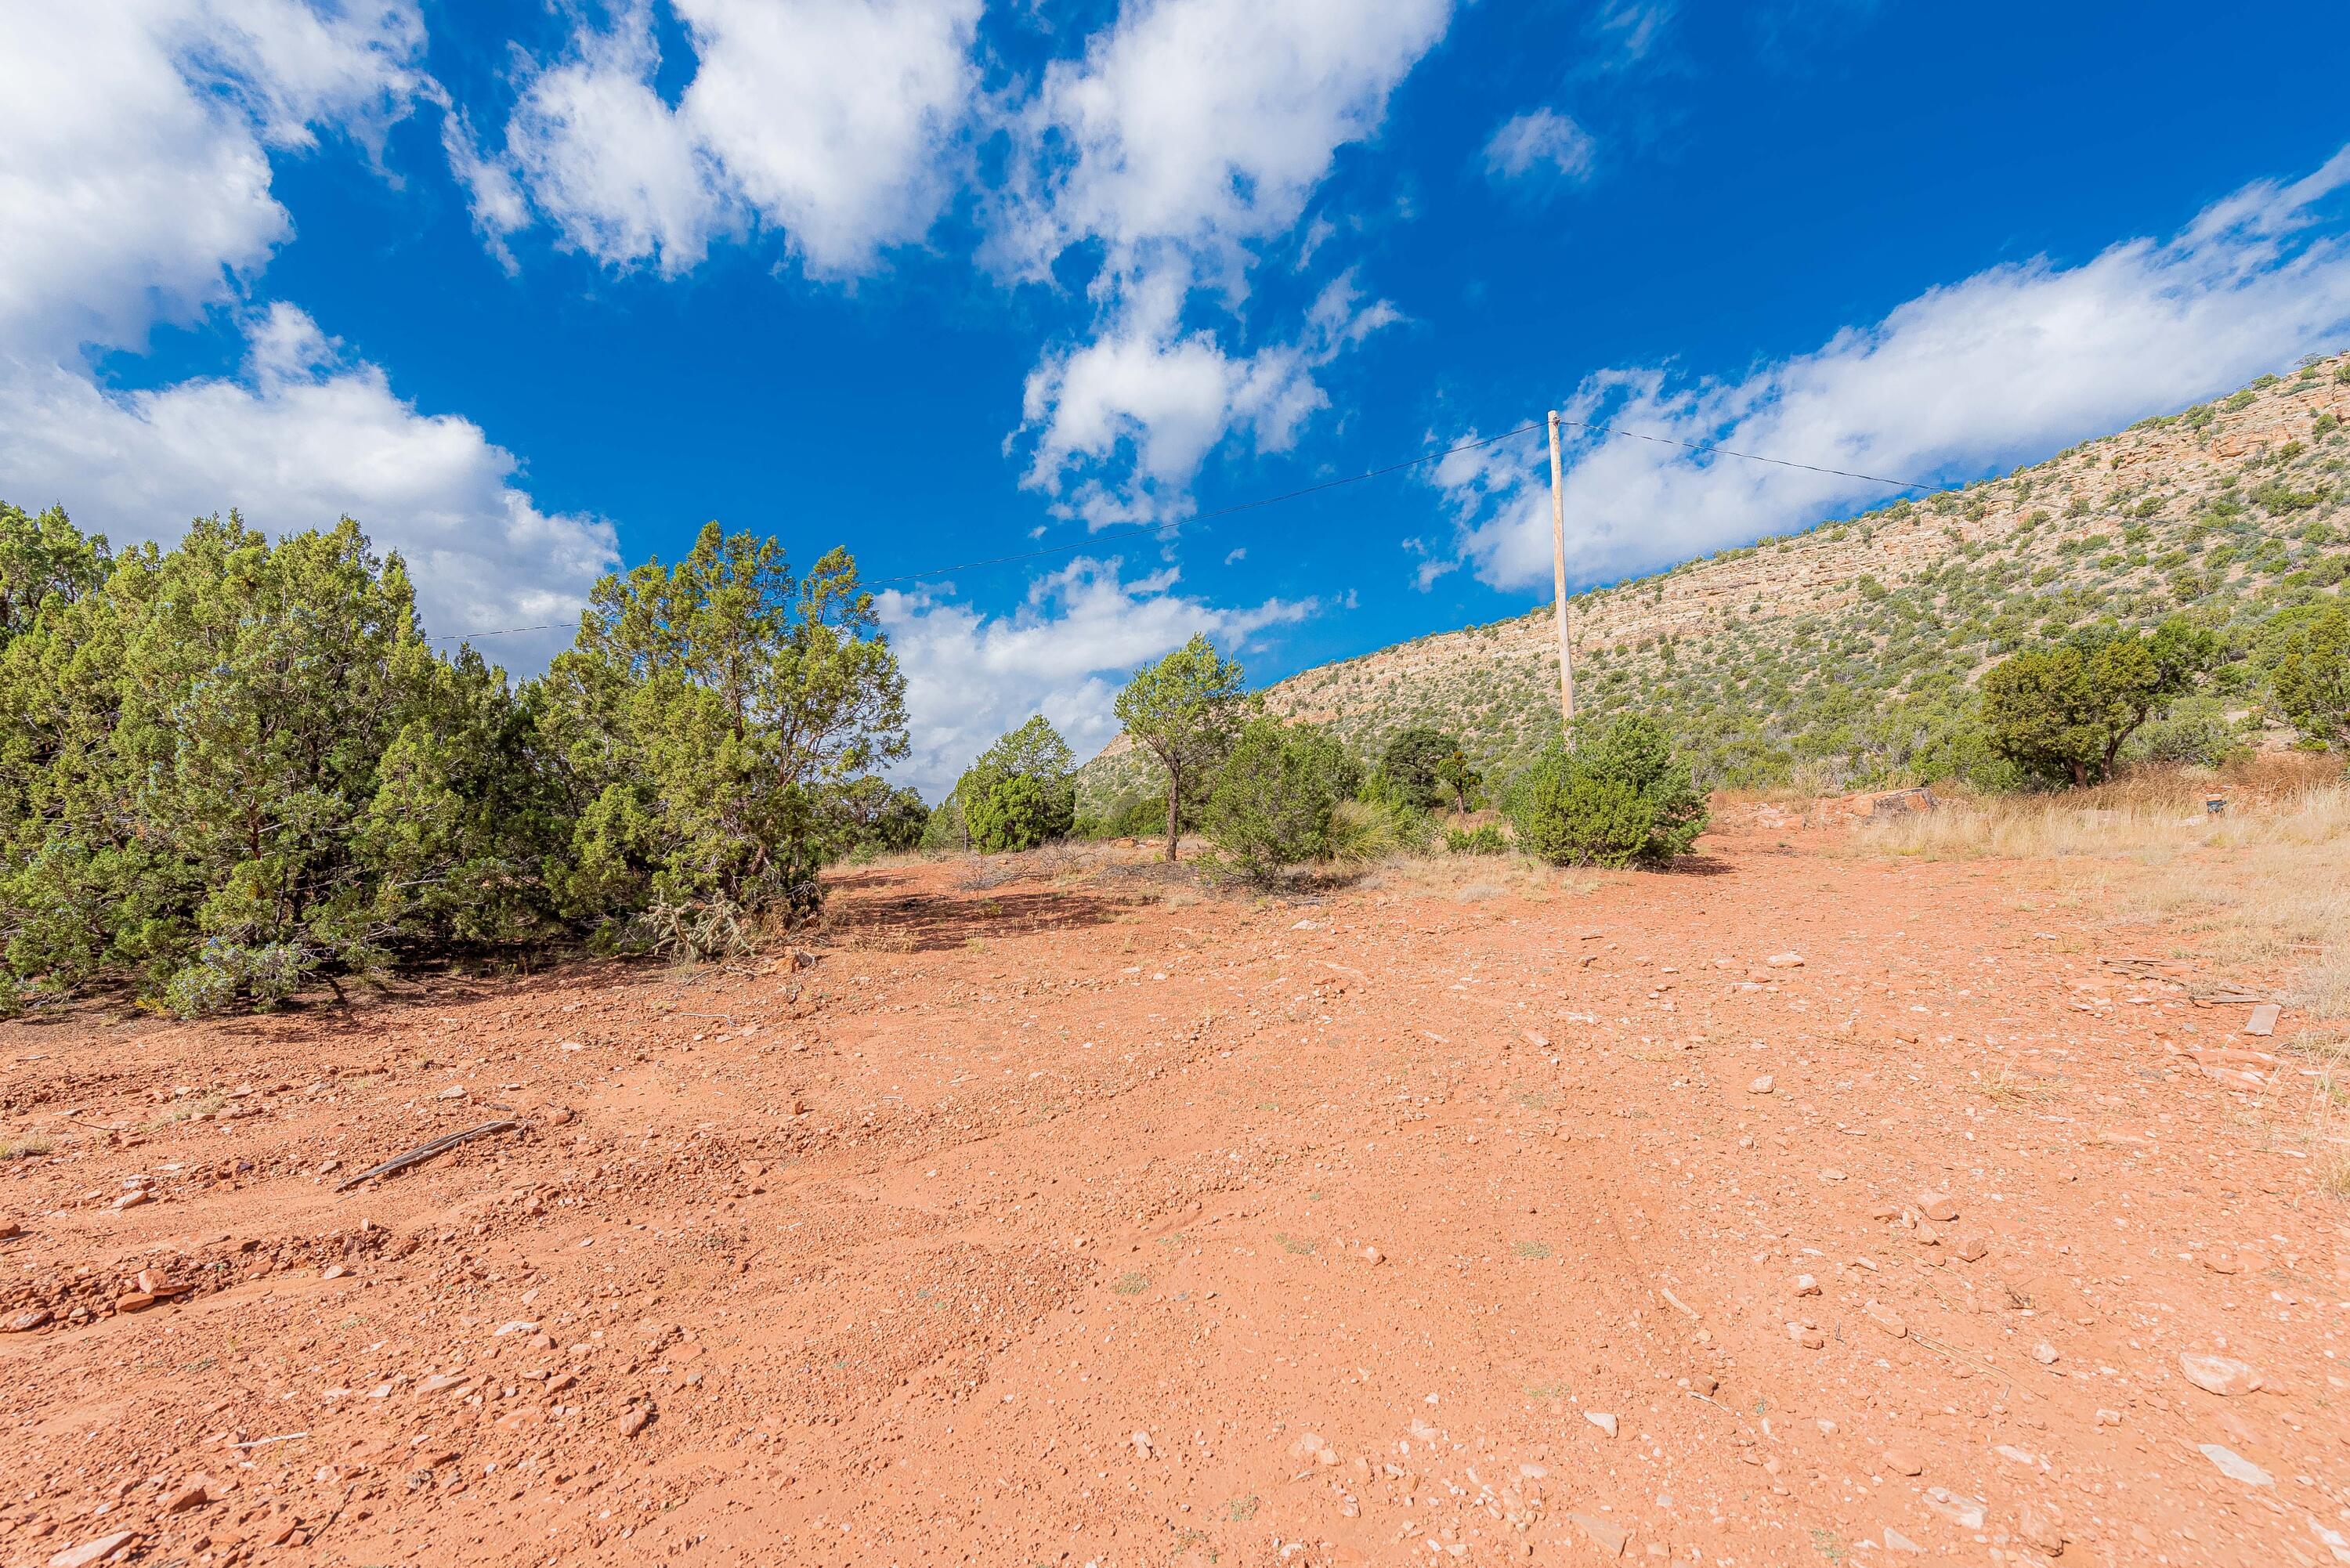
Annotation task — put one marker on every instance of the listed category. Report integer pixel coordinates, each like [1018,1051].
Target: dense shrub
[2063,713]
[1485,838]
[1414,763]
[1621,797]
[2306,652]
[1022,792]
[235,767]
[1273,796]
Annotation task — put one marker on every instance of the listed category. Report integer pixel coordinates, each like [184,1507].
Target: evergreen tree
[1183,709]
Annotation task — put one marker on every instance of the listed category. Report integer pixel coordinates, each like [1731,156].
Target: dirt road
[1801,1208]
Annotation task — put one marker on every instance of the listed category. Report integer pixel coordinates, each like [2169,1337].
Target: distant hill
[1846,654]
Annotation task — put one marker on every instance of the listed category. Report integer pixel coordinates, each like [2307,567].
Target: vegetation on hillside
[1850,656]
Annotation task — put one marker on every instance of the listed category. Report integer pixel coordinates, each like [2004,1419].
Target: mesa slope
[1844,653]
[1052,1220]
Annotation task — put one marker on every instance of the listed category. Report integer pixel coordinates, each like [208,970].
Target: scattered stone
[2219,1375]
[2263,1020]
[1602,1420]
[25,1322]
[636,1420]
[2108,1418]
[557,1116]
[1806,1336]
[518,1327]
[2223,1262]
[1937,1207]
[1610,1539]
[1784,960]
[1896,1541]
[1374,1257]
[2045,1354]
[1901,1461]
[194,1493]
[2040,1524]
[1886,1319]
[90,1551]
[2235,1467]
[1141,1441]
[135,1300]
[1761,1086]
[1806,1286]
[134,1198]
[1966,1512]
[1972,1249]
[10,1230]
[333,1271]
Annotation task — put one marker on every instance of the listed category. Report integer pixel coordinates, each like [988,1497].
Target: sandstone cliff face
[1836,648]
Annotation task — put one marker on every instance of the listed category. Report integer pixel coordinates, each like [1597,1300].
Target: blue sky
[534,290]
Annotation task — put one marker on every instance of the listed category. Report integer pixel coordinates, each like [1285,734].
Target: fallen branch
[425,1152]
[264,1442]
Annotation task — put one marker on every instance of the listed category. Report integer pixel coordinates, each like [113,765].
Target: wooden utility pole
[1558,583]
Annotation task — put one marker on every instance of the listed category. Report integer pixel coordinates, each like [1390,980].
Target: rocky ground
[1801,1207]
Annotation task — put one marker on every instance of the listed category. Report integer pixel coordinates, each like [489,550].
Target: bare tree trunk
[1174,793]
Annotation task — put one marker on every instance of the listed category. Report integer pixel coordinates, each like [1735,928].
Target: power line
[1153,529]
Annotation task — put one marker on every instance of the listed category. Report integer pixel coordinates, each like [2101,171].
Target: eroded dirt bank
[1050,1222]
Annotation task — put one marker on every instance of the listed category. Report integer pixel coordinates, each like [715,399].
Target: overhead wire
[1173,525]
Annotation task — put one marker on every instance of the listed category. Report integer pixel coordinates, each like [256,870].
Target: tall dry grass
[2266,882]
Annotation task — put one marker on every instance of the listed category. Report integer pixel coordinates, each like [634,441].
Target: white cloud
[1189,135]
[832,121]
[1630,30]
[1202,126]
[134,170]
[299,438]
[1541,142]
[1999,369]
[135,174]
[1064,653]
[1132,414]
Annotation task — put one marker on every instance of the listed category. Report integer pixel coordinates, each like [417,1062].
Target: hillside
[1845,654]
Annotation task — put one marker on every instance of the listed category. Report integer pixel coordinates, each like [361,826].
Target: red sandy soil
[1057,1222]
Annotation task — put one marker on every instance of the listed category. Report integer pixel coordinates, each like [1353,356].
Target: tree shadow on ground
[875,911]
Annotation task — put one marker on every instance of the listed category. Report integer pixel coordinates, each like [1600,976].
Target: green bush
[1485,838]
[1414,765]
[1021,793]
[2305,651]
[235,767]
[2063,713]
[1273,798]
[1621,797]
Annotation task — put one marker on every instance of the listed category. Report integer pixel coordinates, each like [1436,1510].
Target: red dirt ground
[1055,1222]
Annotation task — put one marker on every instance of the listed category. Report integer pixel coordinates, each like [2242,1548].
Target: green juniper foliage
[1021,791]
[2063,713]
[1274,793]
[235,767]
[1621,797]
[1183,710]
[2306,651]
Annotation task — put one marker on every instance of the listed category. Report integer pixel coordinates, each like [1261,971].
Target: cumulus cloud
[1998,368]
[832,122]
[136,176]
[134,170]
[1065,652]
[1200,127]
[301,436]
[1541,143]
[1123,422]
[1189,135]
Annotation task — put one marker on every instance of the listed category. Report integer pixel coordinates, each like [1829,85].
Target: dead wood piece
[425,1152]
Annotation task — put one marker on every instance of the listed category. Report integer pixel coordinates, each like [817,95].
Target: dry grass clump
[2155,811]
[2263,881]
[1474,879]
